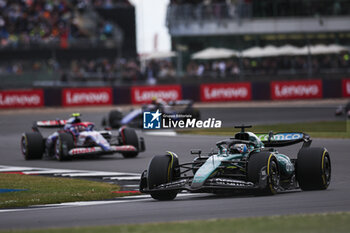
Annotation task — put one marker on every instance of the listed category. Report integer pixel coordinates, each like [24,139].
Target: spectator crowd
[152,71]
[38,22]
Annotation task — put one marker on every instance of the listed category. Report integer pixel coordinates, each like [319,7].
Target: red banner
[226,92]
[144,94]
[308,89]
[86,96]
[346,87]
[21,98]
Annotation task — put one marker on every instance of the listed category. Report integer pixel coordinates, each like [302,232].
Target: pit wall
[208,92]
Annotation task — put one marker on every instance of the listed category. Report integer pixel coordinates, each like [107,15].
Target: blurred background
[94,43]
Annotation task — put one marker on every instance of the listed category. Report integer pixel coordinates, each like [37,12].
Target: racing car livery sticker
[281,136]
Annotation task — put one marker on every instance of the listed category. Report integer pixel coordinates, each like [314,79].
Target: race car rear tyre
[114,118]
[32,145]
[263,171]
[129,137]
[313,168]
[162,169]
[63,145]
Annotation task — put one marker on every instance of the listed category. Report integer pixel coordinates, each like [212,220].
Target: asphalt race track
[184,207]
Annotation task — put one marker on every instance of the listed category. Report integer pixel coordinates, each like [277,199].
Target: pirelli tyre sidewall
[313,168]
[162,169]
[264,172]
[64,143]
[32,145]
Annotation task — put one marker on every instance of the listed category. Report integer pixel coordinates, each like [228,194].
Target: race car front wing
[212,183]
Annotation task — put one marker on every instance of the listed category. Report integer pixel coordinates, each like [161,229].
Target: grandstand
[93,42]
[242,24]
[47,40]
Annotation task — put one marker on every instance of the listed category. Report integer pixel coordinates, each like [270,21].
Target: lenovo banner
[86,96]
[287,90]
[346,87]
[225,92]
[144,94]
[21,98]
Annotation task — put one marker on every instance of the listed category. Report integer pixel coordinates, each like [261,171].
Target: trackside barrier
[260,91]
[121,95]
[346,87]
[144,94]
[29,98]
[300,89]
[53,97]
[331,88]
[87,96]
[209,92]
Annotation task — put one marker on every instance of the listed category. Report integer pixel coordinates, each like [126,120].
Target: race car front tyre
[63,145]
[32,145]
[263,171]
[162,169]
[114,118]
[313,168]
[129,137]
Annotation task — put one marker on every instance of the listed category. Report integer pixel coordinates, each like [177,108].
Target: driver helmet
[240,148]
[75,118]
[157,101]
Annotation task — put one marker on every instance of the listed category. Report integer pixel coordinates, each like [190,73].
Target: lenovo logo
[225,92]
[146,96]
[21,98]
[296,89]
[88,96]
[141,95]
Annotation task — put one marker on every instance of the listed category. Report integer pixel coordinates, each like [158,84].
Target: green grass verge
[50,190]
[324,129]
[317,223]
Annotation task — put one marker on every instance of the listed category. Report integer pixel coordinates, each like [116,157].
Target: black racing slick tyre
[263,171]
[64,143]
[114,118]
[313,168]
[32,145]
[163,169]
[129,137]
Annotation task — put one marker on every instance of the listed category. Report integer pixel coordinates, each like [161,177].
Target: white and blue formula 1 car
[76,138]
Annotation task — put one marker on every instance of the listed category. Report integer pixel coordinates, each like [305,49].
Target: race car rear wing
[50,124]
[284,139]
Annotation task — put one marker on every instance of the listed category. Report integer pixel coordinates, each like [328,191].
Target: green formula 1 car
[247,161]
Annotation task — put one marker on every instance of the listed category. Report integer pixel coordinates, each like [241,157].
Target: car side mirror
[196,152]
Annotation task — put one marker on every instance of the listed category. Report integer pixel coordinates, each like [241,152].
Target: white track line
[161,133]
[15,169]
[120,178]
[53,171]
[93,203]
[64,172]
[82,174]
